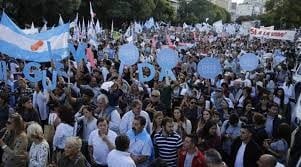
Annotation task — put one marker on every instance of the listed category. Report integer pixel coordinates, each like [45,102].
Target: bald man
[267,160]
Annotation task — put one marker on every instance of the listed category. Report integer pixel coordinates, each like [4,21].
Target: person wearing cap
[245,151]
[154,104]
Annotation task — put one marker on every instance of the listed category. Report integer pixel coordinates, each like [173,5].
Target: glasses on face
[8,122]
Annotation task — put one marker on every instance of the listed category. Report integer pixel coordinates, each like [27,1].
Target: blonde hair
[75,142]
[36,130]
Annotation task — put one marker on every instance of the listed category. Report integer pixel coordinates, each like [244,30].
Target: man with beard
[141,146]
[167,143]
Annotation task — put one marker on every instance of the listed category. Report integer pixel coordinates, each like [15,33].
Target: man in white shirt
[128,118]
[141,146]
[245,151]
[101,142]
[119,157]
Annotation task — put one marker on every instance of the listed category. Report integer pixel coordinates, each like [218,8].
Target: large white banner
[272,34]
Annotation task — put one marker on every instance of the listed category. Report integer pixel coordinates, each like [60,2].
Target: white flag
[83,34]
[61,21]
[44,28]
[112,28]
[97,27]
[91,12]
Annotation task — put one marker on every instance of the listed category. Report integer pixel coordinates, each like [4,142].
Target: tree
[163,11]
[198,10]
[27,11]
[282,14]
[122,11]
[245,18]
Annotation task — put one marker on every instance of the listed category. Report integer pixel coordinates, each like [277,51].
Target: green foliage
[282,14]
[198,10]
[245,18]
[163,11]
[27,11]
[122,11]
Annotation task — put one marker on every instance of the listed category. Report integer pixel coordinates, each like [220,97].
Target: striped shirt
[167,147]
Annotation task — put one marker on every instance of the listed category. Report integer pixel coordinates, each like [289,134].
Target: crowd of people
[99,118]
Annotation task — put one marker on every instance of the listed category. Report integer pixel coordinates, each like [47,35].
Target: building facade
[251,8]
[226,4]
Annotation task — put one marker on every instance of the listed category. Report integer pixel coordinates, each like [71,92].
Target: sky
[238,1]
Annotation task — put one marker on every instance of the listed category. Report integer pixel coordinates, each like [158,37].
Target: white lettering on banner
[272,34]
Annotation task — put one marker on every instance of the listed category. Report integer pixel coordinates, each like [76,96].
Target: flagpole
[68,73]
[112,28]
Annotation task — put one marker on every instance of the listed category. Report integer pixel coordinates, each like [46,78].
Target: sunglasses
[8,122]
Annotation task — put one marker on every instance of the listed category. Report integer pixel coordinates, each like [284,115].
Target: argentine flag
[15,43]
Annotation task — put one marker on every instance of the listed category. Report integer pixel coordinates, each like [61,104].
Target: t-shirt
[168,146]
[239,161]
[188,160]
[100,148]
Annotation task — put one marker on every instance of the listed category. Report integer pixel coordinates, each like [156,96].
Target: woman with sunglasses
[14,142]
[39,150]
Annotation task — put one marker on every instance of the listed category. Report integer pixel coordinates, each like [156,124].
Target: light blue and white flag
[32,30]
[19,45]
[150,23]
[44,28]
[138,28]
[278,58]
[84,31]
[97,27]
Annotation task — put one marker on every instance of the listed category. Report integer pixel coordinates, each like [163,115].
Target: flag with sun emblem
[15,43]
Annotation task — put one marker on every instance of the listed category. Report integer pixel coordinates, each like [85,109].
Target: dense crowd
[95,117]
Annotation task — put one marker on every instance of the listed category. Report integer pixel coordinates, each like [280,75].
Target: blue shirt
[141,144]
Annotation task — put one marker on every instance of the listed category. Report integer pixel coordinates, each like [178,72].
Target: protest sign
[248,62]
[167,59]
[209,68]
[143,78]
[128,55]
[273,34]
[78,54]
